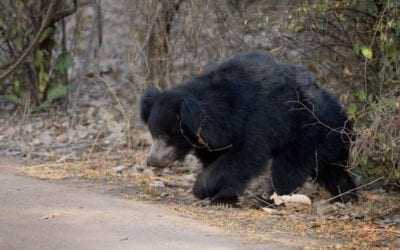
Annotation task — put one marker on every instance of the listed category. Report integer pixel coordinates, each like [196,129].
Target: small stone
[166,171]
[396,244]
[171,183]
[119,169]
[164,194]
[139,168]
[63,138]
[324,209]
[157,187]
[148,172]
[82,132]
[51,216]
[340,205]
[157,184]
[190,177]
[273,211]
[45,138]
[28,128]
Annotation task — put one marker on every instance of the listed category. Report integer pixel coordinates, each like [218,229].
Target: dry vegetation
[358,44]
[372,222]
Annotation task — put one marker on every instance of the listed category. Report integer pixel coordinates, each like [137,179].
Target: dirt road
[42,215]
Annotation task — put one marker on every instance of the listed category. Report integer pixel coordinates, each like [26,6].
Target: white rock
[293,198]
[157,184]
[119,169]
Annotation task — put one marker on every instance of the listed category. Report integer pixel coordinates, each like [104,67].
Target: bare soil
[373,222]
[47,215]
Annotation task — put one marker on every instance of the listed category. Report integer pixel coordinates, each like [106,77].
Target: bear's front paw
[224,200]
[226,196]
[200,190]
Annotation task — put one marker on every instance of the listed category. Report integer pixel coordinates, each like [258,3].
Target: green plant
[34,64]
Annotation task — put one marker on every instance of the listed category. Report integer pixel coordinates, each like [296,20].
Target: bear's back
[247,80]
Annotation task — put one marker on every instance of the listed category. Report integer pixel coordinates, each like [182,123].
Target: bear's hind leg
[226,178]
[331,172]
[336,179]
[289,172]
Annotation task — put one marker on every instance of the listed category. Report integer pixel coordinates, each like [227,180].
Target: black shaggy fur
[246,111]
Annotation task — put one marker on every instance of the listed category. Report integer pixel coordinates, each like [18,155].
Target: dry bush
[355,45]
[377,148]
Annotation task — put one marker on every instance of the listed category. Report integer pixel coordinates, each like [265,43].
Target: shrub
[359,42]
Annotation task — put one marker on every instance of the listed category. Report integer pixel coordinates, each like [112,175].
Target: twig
[99,133]
[121,108]
[351,190]
[375,229]
[65,12]
[34,43]
[64,158]
[340,130]
[50,165]
[114,94]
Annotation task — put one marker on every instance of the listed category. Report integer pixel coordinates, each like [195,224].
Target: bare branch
[58,16]
[352,190]
[33,44]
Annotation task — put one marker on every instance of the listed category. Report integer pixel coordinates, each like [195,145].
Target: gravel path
[36,214]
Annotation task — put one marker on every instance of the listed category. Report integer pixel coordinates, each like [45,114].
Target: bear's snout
[160,154]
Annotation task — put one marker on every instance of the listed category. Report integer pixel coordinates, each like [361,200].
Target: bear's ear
[191,115]
[147,101]
[203,129]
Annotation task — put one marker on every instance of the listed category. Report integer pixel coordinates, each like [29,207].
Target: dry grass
[352,227]
[377,147]
[323,226]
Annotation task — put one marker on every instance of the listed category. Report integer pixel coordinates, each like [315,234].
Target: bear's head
[172,119]
[179,122]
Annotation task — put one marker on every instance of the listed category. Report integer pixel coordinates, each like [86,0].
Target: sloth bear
[240,114]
